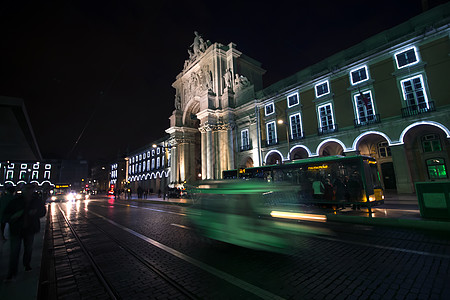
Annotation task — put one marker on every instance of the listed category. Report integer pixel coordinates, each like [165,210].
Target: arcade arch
[273,157]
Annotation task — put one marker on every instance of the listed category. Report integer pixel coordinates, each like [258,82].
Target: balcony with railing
[245,147]
[271,142]
[367,120]
[417,109]
[327,129]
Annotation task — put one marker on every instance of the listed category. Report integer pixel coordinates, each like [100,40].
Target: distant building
[387,97]
[147,167]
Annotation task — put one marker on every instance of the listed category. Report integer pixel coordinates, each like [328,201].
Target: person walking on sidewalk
[23,214]
[6,197]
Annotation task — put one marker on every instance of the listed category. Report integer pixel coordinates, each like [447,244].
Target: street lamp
[287,137]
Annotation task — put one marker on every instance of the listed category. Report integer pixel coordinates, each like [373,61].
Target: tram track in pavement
[108,285]
[243,286]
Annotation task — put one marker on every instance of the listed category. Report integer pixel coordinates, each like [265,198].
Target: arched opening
[376,145]
[247,163]
[426,147]
[299,153]
[274,158]
[331,148]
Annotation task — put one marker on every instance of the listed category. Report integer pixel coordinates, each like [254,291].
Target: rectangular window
[364,107]
[153,163]
[34,175]
[47,175]
[9,175]
[431,143]
[148,165]
[158,162]
[271,133]
[436,168]
[384,150]
[326,117]
[244,139]
[23,175]
[406,57]
[322,89]
[296,127]
[292,100]
[269,109]
[359,75]
[414,93]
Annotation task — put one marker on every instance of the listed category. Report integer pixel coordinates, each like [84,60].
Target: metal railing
[417,109]
[327,129]
[367,120]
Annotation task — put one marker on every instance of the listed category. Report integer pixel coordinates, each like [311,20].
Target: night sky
[104,69]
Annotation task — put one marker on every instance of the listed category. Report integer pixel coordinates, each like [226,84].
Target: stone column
[209,154]
[204,149]
[174,165]
[230,147]
[402,169]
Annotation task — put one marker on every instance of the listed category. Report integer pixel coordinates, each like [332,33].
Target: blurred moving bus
[337,181]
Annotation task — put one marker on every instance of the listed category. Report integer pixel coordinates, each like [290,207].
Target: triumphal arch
[216,81]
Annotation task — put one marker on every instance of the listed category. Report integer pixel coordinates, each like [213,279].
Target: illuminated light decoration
[406,54]
[293,99]
[322,167]
[331,140]
[364,75]
[298,216]
[359,137]
[269,109]
[325,115]
[322,88]
[301,146]
[432,123]
[412,89]
[273,151]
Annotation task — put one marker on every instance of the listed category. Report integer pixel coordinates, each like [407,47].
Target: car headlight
[78,196]
[53,198]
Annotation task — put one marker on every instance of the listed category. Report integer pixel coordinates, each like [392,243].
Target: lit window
[406,57]
[359,75]
[296,126]
[436,168]
[269,109]
[326,117]
[414,93]
[143,166]
[158,150]
[292,100]
[153,163]
[140,156]
[153,152]
[148,153]
[322,89]
[34,175]
[384,150]
[364,107]
[148,165]
[271,133]
[23,175]
[431,143]
[143,155]
[158,162]
[9,175]
[47,175]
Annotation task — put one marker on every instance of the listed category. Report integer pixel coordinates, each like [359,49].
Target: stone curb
[438,225]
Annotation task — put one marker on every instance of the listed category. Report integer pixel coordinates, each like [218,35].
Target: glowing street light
[287,136]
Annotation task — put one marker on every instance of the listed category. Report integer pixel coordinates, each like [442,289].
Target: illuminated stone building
[387,97]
